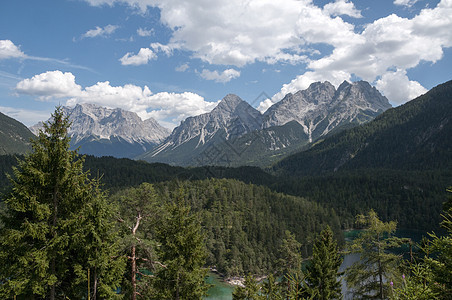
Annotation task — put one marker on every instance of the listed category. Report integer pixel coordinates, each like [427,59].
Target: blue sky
[170,59]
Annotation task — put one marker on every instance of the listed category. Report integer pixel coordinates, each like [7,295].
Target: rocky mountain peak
[321,108]
[90,121]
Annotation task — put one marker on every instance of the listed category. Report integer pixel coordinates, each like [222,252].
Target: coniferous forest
[76,227]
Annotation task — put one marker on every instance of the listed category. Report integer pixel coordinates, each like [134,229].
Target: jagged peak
[229,103]
[319,84]
[345,84]
[231,100]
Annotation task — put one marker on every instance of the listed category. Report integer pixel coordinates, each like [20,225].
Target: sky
[170,59]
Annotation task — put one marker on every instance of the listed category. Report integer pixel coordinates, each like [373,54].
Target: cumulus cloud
[225,76]
[342,7]
[100,31]
[398,88]
[9,50]
[167,108]
[142,58]
[145,32]
[231,32]
[48,85]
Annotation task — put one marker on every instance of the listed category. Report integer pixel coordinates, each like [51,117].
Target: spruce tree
[370,276]
[323,271]
[56,224]
[182,252]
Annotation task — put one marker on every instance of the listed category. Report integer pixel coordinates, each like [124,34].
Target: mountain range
[413,136]
[101,131]
[234,133]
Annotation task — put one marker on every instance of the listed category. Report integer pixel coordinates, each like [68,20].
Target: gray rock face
[232,116]
[321,108]
[105,127]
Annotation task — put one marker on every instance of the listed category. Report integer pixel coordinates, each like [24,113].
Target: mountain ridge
[14,136]
[225,135]
[114,132]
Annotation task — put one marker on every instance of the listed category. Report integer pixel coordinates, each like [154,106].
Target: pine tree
[137,218]
[182,252]
[48,216]
[367,276]
[323,271]
[290,262]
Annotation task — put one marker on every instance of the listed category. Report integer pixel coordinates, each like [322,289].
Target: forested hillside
[14,136]
[244,224]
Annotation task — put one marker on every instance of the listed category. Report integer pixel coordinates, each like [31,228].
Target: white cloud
[48,85]
[225,76]
[167,49]
[182,68]
[398,88]
[231,32]
[408,3]
[145,32]
[142,58]
[167,108]
[342,7]
[99,31]
[264,105]
[9,50]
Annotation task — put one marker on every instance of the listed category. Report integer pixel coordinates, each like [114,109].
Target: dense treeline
[244,223]
[413,198]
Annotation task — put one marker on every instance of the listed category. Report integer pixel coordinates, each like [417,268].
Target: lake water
[223,291]
[220,290]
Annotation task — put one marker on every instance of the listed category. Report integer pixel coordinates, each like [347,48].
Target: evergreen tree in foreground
[370,276]
[57,225]
[182,252]
[323,271]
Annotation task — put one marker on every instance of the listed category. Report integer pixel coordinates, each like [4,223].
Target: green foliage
[418,286]
[367,276]
[56,224]
[289,256]
[182,252]
[271,289]
[322,272]
[439,255]
[413,198]
[138,212]
[249,291]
